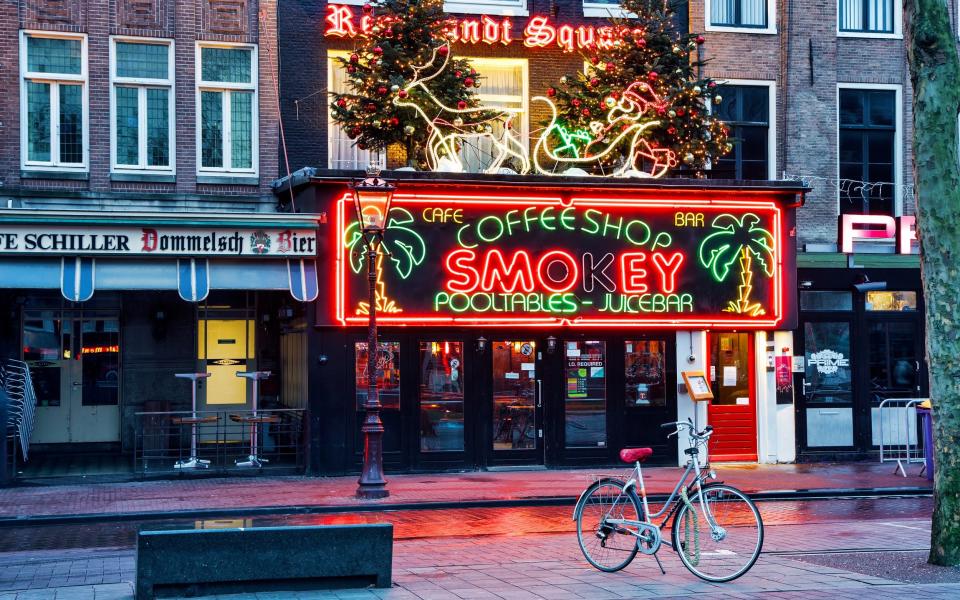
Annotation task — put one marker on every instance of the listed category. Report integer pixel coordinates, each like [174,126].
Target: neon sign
[616,261]
[342,22]
[878,227]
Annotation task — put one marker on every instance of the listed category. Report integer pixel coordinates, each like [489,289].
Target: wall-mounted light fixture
[481,344]
[551,344]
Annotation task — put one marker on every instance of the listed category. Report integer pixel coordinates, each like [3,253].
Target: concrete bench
[205,561]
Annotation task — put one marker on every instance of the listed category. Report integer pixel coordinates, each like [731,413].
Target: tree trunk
[935,73]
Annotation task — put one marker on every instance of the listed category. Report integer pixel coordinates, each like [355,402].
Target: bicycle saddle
[629,455]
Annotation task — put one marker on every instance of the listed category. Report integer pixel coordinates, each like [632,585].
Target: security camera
[691,359]
[870,286]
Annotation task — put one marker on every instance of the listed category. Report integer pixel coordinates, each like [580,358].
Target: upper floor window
[53,101]
[869,16]
[142,105]
[746,111]
[503,84]
[517,8]
[868,151]
[342,152]
[227,108]
[603,8]
[738,13]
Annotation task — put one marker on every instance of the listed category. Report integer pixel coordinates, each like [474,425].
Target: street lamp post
[372,197]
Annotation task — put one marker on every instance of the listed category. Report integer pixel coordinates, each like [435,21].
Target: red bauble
[594,82]
[341,103]
[712,84]
[351,69]
[680,112]
[594,59]
[402,93]
[382,90]
[611,67]
[394,121]
[575,102]
[701,39]
[473,72]
[468,82]
[458,74]
[362,146]
[378,50]
[642,43]
[661,111]
[586,112]
[354,132]
[652,75]
[371,107]
[672,130]
[551,92]
[443,50]
[354,58]
[461,104]
[367,9]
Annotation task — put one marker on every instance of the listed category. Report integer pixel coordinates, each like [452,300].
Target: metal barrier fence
[901,438]
[224,441]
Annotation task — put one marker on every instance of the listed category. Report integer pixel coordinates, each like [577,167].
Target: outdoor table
[193,420]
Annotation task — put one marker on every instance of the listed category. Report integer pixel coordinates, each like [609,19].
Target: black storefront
[533,385]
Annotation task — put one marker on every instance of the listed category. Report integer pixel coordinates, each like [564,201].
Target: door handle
[539,394]
[77,383]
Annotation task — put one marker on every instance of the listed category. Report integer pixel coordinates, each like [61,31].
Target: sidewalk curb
[209,513]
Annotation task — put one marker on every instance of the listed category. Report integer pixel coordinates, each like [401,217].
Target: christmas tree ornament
[394,121]
[382,90]
[563,80]
[697,90]
[443,50]
[689,158]
[394,88]
[409,130]
[610,101]
[402,93]
[551,92]
[354,58]
[594,82]
[700,39]
[462,104]
[342,102]
[673,114]
[718,99]
[458,122]
[468,82]
[367,9]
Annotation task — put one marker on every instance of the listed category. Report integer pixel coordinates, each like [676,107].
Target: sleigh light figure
[450,129]
[624,128]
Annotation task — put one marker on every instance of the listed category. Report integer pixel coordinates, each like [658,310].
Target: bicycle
[614,523]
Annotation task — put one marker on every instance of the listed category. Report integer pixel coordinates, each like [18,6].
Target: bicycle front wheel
[726,548]
[608,546]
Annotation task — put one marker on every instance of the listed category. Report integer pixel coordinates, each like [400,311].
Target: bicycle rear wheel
[608,546]
[724,553]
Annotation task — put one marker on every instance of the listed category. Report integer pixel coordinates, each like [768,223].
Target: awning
[78,277]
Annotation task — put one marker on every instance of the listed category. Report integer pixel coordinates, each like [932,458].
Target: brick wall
[185,22]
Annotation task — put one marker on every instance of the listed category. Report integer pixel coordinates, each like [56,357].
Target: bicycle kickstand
[659,564]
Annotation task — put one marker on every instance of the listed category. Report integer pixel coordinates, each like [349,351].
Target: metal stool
[193,462]
[253,460]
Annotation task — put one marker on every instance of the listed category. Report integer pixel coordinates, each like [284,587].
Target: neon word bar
[540,32]
[855,228]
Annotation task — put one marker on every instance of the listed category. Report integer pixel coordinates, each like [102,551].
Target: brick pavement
[263,492]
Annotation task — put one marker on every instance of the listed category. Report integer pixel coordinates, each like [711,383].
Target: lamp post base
[372,491]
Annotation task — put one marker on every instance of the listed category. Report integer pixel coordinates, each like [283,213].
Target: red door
[733,410]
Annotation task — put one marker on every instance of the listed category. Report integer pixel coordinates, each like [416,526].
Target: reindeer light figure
[625,125]
[449,131]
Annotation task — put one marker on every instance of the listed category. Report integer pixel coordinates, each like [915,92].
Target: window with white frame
[869,16]
[517,8]
[745,110]
[227,109]
[738,13]
[53,101]
[604,8]
[142,105]
[503,84]
[342,152]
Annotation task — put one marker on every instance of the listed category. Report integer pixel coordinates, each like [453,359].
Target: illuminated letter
[340,21]
[596,271]
[539,33]
[567,217]
[463,276]
[505,34]
[849,230]
[632,273]
[630,238]
[460,238]
[565,37]
[908,233]
[491,30]
[588,215]
[366,24]
[510,223]
[565,283]
[668,270]
[527,218]
[605,37]
[546,218]
[480,228]
[585,37]
[470,31]
[518,274]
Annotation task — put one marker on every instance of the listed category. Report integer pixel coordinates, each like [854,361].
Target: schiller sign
[580,261]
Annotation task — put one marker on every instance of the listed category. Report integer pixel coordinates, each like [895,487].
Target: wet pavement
[265,493]
[843,548]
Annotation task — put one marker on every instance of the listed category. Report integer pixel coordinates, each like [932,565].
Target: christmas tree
[644,70]
[407,41]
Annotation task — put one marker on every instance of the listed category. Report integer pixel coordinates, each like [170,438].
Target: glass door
[585,394]
[894,370]
[517,404]
[47,349]
[441,400]
[648,395]
[827,386]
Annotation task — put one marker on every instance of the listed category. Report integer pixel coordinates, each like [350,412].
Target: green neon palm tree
[740,240]
[403,246]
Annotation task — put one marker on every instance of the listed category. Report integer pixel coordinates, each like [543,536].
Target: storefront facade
[106,308]
[531,321]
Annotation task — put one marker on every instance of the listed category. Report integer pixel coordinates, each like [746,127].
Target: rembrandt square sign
[671,258]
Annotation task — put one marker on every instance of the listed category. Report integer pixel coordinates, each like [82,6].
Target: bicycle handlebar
[680,425]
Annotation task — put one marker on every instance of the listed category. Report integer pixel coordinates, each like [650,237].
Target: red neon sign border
[584,322]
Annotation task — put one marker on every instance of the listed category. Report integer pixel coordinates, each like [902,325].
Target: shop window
[503,83]
[827,374]
[644,368]
[441,396]
[738,13]
[869,16]
[388,374]
[891,301]
[585,396]
[746,111]
[868,155]
[894,366]
[142,106]
[227,109]
[342,152]
[825,300]
[53,101]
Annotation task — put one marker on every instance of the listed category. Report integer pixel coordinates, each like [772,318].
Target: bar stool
[193,420]
[254,420]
